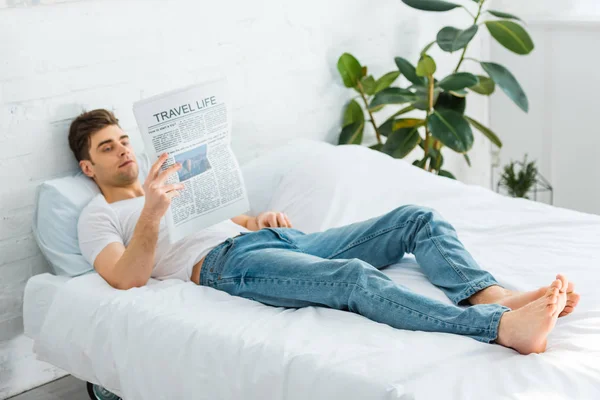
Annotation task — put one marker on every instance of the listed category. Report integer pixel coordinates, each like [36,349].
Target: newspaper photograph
[193,125]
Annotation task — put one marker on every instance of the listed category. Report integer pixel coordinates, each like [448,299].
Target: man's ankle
[487,295]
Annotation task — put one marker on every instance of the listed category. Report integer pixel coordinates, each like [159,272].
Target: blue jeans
[339,268]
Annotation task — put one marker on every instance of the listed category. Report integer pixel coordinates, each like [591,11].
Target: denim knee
[418,211]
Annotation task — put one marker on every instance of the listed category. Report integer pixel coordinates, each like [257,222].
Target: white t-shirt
[101,223]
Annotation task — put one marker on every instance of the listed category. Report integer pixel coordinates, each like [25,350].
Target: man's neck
[113,194]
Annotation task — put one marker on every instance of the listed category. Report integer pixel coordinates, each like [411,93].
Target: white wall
[560,77]
[59,57]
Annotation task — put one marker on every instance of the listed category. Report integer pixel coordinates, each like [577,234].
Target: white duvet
[175,340]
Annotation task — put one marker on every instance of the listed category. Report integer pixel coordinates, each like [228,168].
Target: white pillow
[263,175]
[340,185]
[58,205]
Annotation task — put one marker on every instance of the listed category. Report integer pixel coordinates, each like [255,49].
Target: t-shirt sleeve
[97,227]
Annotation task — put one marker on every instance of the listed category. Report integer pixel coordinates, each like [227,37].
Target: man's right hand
[158,195]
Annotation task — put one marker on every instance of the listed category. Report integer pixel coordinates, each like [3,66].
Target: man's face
[113,162]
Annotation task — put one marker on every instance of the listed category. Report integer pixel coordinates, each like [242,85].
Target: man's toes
[570,287]
[565,282]
[566,311]
[552,294]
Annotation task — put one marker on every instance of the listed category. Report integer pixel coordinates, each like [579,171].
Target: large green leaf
[486,86]
[353,113]
[486,131]
[421,101]
[386,128]
[401,142]
[511,35]
[409,71]
[392,125]
[452,39]
[452,129]
[392,95]
[420,163]
[459,93]
[448,101]
[501,14]
[426,66]
[407,123]
[349,69]
[446,174]
[386,80]
[431,5]
[352,134]
[458,81]
[508,83]
[368,84]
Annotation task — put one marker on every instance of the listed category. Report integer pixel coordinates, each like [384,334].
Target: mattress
[172,339]
[37,299]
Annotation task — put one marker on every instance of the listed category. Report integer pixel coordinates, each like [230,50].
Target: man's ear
[86,168]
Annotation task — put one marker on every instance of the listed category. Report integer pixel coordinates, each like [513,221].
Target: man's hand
[269,219]
[158,196]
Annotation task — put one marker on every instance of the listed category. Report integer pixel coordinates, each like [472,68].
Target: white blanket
[175,340]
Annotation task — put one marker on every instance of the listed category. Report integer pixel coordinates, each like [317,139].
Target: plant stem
[462,57]
[468,12]
[429,110]
[362,94]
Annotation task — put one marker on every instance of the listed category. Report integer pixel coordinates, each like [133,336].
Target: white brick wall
[57,58]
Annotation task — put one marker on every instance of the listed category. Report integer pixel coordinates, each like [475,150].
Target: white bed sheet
[37,299]
[175,340]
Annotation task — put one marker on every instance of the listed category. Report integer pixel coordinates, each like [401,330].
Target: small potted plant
[518,183]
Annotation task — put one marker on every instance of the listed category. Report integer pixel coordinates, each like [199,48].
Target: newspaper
[193,125]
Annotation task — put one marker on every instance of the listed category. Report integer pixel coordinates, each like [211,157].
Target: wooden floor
[67,388]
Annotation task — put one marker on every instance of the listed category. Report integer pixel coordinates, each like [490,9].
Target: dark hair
[84,126]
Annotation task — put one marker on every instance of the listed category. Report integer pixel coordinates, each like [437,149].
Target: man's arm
[244,220]
[263,220]
[124,268]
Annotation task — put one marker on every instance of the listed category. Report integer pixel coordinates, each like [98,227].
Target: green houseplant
[442,102]
[519,183]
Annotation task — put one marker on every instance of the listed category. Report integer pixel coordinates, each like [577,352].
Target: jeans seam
[495,322]
[443,253]
[246,278]
[369,237]
[423,315]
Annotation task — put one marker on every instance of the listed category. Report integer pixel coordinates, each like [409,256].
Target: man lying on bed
[121,233]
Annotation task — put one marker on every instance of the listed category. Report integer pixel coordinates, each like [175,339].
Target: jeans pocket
[217,256]
[282,235]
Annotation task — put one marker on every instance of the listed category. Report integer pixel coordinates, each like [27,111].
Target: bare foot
[527,328]
[516,300]
[572,298]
